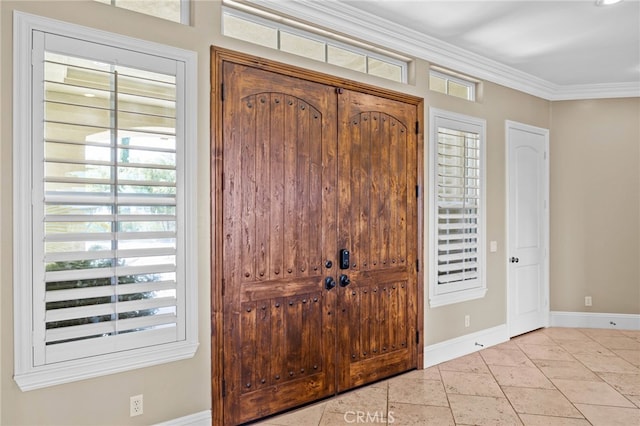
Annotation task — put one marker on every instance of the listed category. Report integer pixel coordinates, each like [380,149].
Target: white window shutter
[457,213]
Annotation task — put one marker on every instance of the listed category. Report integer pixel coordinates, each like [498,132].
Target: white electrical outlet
[588,301]
[467,320]
[135,405]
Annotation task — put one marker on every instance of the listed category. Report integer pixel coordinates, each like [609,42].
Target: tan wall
[182,388]
[595,205]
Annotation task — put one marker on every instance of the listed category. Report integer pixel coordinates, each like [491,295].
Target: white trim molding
[464,345]
[595,320]
[202,418]
[347,19]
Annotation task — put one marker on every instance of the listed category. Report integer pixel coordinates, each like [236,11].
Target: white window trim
[26,375]
[462,122]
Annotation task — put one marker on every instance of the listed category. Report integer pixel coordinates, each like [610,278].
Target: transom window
[172,10]
[452,84]
[276,35]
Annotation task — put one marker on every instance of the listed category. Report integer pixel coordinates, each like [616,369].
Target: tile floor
[553,376]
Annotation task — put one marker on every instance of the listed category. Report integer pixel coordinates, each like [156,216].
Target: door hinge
[417,191]
[417,337]
[224,388]
[222,92]
[417,265]
[223,285]
[417,127]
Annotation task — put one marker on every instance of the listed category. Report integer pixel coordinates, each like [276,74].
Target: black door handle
[515,260]
[344,280]
[329,283]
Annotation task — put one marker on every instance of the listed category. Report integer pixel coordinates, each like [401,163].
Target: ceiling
[554,49]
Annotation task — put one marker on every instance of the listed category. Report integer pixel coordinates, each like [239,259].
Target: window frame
[439,296]
[467,82]
[26,374]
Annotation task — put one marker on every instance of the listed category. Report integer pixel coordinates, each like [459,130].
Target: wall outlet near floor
[135,405]
[588,301]
[467,320]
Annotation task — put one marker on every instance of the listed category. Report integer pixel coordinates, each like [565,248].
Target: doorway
[528,227]
[316,288]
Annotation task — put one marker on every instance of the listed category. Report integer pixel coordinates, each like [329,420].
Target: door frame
[218,57]
[545,217]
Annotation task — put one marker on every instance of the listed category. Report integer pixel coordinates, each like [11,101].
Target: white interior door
[528,227]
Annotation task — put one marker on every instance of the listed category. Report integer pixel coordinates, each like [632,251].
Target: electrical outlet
[467,320]
[588,301]
[135,405]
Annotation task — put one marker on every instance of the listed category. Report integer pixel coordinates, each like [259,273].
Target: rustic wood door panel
[377,218]
[279,196]
[308,170]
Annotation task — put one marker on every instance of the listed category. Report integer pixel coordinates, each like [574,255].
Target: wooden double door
[319,239]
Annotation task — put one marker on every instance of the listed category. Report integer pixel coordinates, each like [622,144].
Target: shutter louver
[110,211]
[458,198]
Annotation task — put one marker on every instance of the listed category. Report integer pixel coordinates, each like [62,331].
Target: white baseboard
[595,320]
[464,345]
[203,418]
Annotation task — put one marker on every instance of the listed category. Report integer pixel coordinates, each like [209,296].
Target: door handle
[515,259]
[329,283]
[344,280]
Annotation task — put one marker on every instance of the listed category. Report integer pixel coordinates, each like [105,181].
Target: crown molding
[345,19]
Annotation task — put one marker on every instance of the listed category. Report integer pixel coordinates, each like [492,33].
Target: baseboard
[594,320]
[203,418]
[464,345]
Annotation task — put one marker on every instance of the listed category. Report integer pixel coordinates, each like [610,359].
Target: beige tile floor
[553,376]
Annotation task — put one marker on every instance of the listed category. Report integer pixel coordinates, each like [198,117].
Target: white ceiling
[554,49]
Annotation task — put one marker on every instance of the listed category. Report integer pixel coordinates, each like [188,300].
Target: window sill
[457,297]
[71,371]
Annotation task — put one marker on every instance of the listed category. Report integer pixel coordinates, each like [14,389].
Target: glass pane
[79,152]
[166,9]
[76,133]
[302,46]
[253,32]
[346,58]
[145,83]
[458,90]
[437,84]
[385,69]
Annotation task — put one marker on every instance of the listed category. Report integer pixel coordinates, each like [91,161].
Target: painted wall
[182,388]
[595,205]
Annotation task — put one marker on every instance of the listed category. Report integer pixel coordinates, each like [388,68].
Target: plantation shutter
[458,207]
[108,235]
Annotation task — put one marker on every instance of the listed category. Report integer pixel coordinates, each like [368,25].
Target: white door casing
[527,227]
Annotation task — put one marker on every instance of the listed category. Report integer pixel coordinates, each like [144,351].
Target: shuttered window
[457,218]
[109,224]
[110,211]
